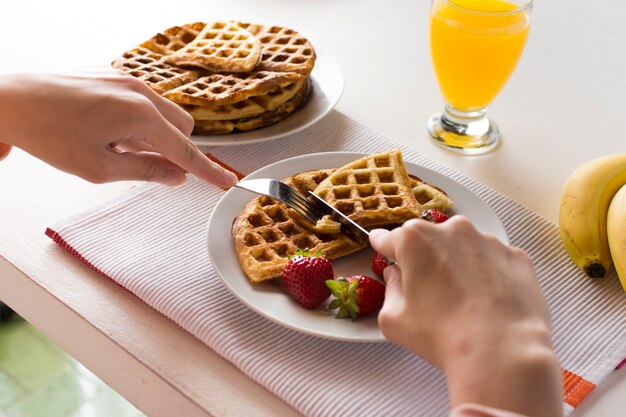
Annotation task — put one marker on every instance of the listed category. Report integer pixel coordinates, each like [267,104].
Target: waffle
[283,49]
[250,123]
[374,191]
[229,77]
[249,107]
[221,47]
[267,232]
[174,38]
[149,67]
[429,196]
[309,181]
[220,89]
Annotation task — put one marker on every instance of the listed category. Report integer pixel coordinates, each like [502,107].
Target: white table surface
[562,106]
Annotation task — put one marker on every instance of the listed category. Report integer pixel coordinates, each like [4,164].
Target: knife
[313,208]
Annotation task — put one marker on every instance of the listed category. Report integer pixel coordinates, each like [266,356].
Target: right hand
[473,307]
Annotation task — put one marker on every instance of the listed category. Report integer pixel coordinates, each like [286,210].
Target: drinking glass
[475,46]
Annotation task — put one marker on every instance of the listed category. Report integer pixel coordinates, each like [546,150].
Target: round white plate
[327,87]
[268,298]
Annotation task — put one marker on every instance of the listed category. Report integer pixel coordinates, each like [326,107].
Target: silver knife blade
[345,221]
[267,187]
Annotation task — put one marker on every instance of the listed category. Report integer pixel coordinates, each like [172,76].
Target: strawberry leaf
[334,304]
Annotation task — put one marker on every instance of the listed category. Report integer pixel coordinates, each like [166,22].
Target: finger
[171,143]
[392,305]
[393,278]
[381,241]
[5,149]
[133,166]
[172,112]
[132,145]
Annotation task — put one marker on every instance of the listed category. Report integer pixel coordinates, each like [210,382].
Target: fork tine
[303,211]
[300,204]
[308,205]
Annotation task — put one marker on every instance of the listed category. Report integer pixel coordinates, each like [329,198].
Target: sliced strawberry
[356,296]
[304,278]
[379,263]
[435,216]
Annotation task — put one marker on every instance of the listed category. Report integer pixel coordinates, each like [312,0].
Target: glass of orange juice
[475,46]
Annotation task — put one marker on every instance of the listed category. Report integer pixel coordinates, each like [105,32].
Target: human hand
[472,306]
[103,126]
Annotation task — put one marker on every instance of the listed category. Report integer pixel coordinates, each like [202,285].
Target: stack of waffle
[229,76]
[374,191]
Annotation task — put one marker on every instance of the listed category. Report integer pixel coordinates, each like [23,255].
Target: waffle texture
[229,76]
[374,191]
[267,232]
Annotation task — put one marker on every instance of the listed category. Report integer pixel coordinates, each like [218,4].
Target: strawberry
[379,263]
[435,216]
[356,296]
[304,277]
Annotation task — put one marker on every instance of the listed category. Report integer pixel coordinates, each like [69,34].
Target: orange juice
[475,45]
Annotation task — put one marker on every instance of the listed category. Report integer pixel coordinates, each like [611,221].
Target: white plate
[327,87]
[270,301]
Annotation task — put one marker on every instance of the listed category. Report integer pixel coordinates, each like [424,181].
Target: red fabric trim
[224,165]
[68,248]
[575,388]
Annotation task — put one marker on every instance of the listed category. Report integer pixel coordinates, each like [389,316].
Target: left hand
[103,126]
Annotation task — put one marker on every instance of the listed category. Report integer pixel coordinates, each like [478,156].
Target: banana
[616,230]
[583,212]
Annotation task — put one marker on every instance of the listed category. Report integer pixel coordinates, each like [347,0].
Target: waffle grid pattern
[267,232]
[374,191]
[220,46]
[227,78]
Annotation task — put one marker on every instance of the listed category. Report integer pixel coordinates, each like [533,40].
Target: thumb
[145,167]
[381,240]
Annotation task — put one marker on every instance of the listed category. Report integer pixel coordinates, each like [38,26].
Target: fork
[313,210]
[283,192]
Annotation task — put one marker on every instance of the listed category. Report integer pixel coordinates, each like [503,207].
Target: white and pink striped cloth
[152,241]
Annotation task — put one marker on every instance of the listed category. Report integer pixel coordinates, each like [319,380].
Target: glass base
[471,133]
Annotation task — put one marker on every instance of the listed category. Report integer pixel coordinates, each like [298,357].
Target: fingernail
[375,233]
[174,177]
[230,178]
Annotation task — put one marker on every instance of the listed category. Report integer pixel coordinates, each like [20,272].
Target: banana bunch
[592,216]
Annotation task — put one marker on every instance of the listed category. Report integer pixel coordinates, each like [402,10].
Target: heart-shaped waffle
[373,191]
[174,38]
[220,46]
[266,233]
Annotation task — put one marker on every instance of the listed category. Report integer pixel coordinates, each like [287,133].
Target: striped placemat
[152,241]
